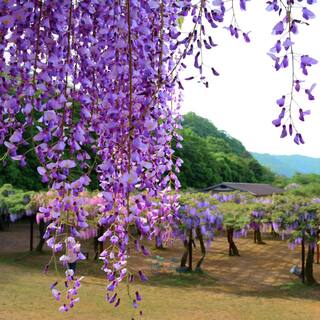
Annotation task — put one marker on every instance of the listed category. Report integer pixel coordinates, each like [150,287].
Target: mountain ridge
[288,165]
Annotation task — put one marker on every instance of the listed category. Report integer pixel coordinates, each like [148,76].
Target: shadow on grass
[35,262]
[184,280]
[291,290]
[205,281]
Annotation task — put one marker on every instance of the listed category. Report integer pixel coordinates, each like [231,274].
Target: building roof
[256,189]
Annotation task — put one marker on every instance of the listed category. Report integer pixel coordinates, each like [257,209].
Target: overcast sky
[242,100]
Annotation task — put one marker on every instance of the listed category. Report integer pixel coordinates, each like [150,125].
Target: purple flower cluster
[293,13]
[198,214]
[205,16]
[94,78]
[71,287]
[296,218]
[94,85]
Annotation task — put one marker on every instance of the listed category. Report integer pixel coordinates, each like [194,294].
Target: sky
[242,100]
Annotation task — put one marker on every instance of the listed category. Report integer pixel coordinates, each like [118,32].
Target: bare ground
[256,285]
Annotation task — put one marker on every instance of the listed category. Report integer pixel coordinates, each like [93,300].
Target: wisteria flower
[287,43]
[64,308]
[278,28]
[68,164]
[7,21]
[281,101]
[309,92]
[277,47]
[307,14]
[284,132]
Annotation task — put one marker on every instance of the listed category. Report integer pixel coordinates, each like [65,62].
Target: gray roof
[256,189]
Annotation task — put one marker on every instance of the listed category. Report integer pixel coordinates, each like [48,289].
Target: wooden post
[31,233]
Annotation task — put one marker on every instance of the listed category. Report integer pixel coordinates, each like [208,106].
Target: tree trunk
[159,243]
[190,243]
[273,233]
[42,230]
[258,237]
[2,222]
[31,233]
[203,249]
[185,254]
[4,219]
[302,261]
[318,251]
[233,250]
[309,266]
[98,246]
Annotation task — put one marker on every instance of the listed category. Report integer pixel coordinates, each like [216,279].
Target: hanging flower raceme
[206,17]
[293,14]
[94,85]
[91,85]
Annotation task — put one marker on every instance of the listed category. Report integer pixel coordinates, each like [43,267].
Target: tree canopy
[211,156]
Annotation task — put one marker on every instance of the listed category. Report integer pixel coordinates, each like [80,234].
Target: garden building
[256,189]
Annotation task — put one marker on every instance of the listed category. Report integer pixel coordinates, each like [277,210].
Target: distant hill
[288,165]
[211,156]
[205,128]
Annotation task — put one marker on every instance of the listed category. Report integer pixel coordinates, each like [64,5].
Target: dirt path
[255,286]
[260,267]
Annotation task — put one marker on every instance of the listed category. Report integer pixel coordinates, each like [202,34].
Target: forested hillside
[211,156]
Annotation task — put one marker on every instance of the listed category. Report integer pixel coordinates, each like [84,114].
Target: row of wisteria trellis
[81,77]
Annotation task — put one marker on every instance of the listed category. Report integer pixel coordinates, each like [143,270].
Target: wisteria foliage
[94,85]
[289,216]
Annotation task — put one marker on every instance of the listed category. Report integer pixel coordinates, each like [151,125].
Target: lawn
[256,285]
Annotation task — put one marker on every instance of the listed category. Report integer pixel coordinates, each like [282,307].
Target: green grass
[25,294]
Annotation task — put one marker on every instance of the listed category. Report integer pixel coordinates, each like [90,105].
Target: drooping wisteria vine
[90,83]
[94,85]
[293,16]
